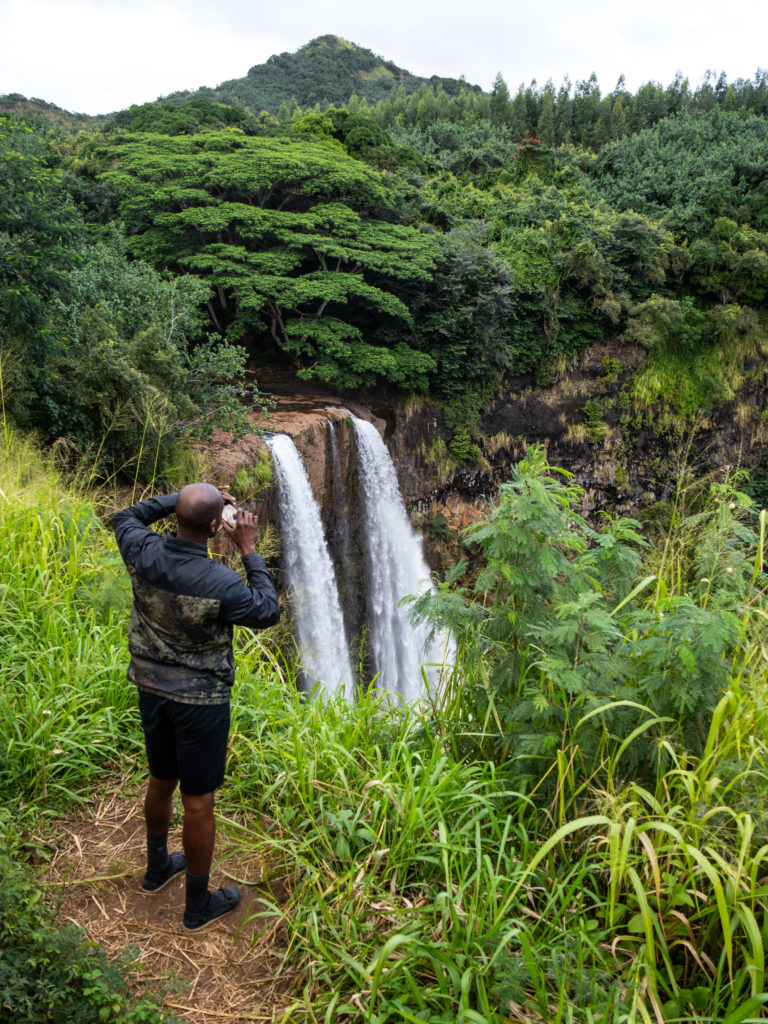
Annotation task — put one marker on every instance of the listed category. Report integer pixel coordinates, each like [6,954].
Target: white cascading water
[319,623]
[396,568]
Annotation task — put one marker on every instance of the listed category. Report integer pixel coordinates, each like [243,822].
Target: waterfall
[319,623]
[396,567]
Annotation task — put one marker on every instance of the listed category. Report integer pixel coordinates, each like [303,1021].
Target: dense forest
[440,241]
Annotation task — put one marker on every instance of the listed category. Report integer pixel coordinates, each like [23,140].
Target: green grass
[65,707]
[415,884]
[424,888]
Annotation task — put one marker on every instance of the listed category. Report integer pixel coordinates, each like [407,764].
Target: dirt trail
[225,974]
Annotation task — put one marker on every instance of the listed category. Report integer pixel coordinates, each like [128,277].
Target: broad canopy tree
[292,236]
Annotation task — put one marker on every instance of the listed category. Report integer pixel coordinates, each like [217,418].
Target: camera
[229,514]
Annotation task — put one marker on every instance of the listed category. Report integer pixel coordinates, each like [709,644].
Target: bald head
[197,506]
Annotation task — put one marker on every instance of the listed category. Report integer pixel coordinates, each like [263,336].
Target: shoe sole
[169,879]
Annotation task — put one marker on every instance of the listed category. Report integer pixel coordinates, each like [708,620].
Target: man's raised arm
[130,524]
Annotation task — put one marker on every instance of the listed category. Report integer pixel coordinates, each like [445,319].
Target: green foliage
[473,151]
[495,903]
[283,230]
[65,713]
[422,883]
[183,119]
[250,482]
[40,235]
[687,385]
[54,976]
[558,623]
[96,349]
[701,172]
[314,258]
[361,136]
[611,367]
[575,113]
[593,420]
[674,325]
[757,485]
[463,448]
[462,322]
[533,157]
[692,168]
[731,262]
[576,268]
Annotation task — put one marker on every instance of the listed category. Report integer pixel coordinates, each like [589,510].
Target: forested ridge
[436,241]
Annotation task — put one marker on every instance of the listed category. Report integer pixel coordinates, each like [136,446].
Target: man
[180,640]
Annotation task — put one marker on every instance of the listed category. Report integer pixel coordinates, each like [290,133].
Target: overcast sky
[96,56]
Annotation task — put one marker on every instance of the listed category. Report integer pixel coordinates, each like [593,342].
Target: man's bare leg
[157,805]
[161,866]
[199,834]
[198,837]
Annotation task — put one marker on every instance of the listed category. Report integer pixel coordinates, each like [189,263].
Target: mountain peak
[326,71]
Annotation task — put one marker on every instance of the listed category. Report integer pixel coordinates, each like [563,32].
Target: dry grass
[501,442]
[576,433]
[228,973]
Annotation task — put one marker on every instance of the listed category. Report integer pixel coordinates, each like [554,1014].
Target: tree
[499,101]
[40,236]
[660,322]
[559,641]
[586,110]
[546,126]
[286,234]
[463,323]
[576,266]
[564,120]
[618,119]
[704,174]
[95,348]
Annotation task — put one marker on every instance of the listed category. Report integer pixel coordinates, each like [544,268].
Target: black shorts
[187,742]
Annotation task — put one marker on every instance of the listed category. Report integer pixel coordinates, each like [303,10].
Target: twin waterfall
[394,567]
[319,622]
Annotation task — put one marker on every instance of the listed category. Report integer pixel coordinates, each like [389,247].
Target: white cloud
[100,55]
[96,59]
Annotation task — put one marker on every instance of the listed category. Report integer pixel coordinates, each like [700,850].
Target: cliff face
[306,419]
[625,462]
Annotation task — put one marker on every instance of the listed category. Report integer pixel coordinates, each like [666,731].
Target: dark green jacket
[185,607]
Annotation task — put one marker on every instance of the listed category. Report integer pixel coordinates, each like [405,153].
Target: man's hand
[227,498]
[244,532]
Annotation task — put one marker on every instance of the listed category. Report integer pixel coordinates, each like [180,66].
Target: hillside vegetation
[573,827]
[328,70]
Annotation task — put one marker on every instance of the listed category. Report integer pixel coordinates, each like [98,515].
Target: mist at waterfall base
[308,565]
[395,568]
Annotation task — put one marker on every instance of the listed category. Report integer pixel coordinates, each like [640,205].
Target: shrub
[462,447]
[55,976]
[593,420]
[558,625]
